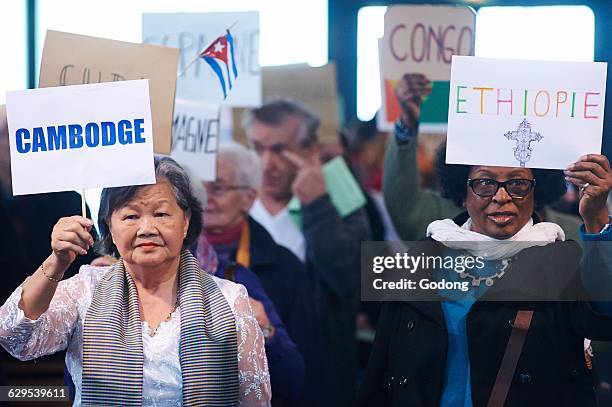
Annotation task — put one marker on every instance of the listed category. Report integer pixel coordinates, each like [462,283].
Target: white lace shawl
[61,327]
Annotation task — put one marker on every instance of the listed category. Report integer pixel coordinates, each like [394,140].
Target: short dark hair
[276,112]
[166,169]
[550,184]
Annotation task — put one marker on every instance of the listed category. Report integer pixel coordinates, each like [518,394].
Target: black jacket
[408,360]
[332,260]
[284,278]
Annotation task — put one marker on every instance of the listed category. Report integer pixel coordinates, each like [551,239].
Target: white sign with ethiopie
[518,113]
[79,137]
[195,138]
[193,32]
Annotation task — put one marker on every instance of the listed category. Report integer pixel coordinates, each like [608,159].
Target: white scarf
[462,237]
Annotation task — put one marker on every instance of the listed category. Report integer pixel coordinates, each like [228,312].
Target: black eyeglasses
[487,187]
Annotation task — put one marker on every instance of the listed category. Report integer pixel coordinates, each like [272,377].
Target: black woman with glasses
[516,337]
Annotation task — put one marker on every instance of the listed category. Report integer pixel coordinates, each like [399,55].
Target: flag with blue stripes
[220,56]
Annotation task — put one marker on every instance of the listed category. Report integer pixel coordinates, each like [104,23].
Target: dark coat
[332,259]
[408,360]
[285,362]
[284,278]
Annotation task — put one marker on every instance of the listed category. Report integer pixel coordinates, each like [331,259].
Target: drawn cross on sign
[523,137]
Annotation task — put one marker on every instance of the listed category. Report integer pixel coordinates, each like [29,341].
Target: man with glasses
[284,135]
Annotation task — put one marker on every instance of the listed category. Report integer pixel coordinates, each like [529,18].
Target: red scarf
[231,235]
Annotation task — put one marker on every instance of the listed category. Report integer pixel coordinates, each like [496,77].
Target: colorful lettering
[559,101]
[500,101]
[460,100]
[587,104]
[535,103]
[482,91]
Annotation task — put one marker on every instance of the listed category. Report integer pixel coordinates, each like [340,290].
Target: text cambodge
[75,136]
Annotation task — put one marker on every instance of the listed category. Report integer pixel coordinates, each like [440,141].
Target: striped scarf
[112,341]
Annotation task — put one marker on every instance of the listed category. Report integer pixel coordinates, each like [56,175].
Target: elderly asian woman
[516,338]
[154,329]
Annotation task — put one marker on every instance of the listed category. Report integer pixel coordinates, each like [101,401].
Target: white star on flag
[219,47]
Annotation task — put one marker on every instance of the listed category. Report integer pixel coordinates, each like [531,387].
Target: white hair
[245,162]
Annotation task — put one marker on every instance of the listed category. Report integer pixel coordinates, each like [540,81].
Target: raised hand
[309,183]
[410,92]
[593,176]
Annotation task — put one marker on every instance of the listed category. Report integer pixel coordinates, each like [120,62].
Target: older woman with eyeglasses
[456,351]
[154,329]
[238,238]
[516,336]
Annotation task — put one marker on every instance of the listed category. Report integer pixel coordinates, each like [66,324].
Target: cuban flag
[222,49]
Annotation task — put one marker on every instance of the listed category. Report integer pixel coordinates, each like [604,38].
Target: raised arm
[410,207]
[593,176]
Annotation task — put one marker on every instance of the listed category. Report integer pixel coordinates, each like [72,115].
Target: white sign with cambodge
[80,137]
